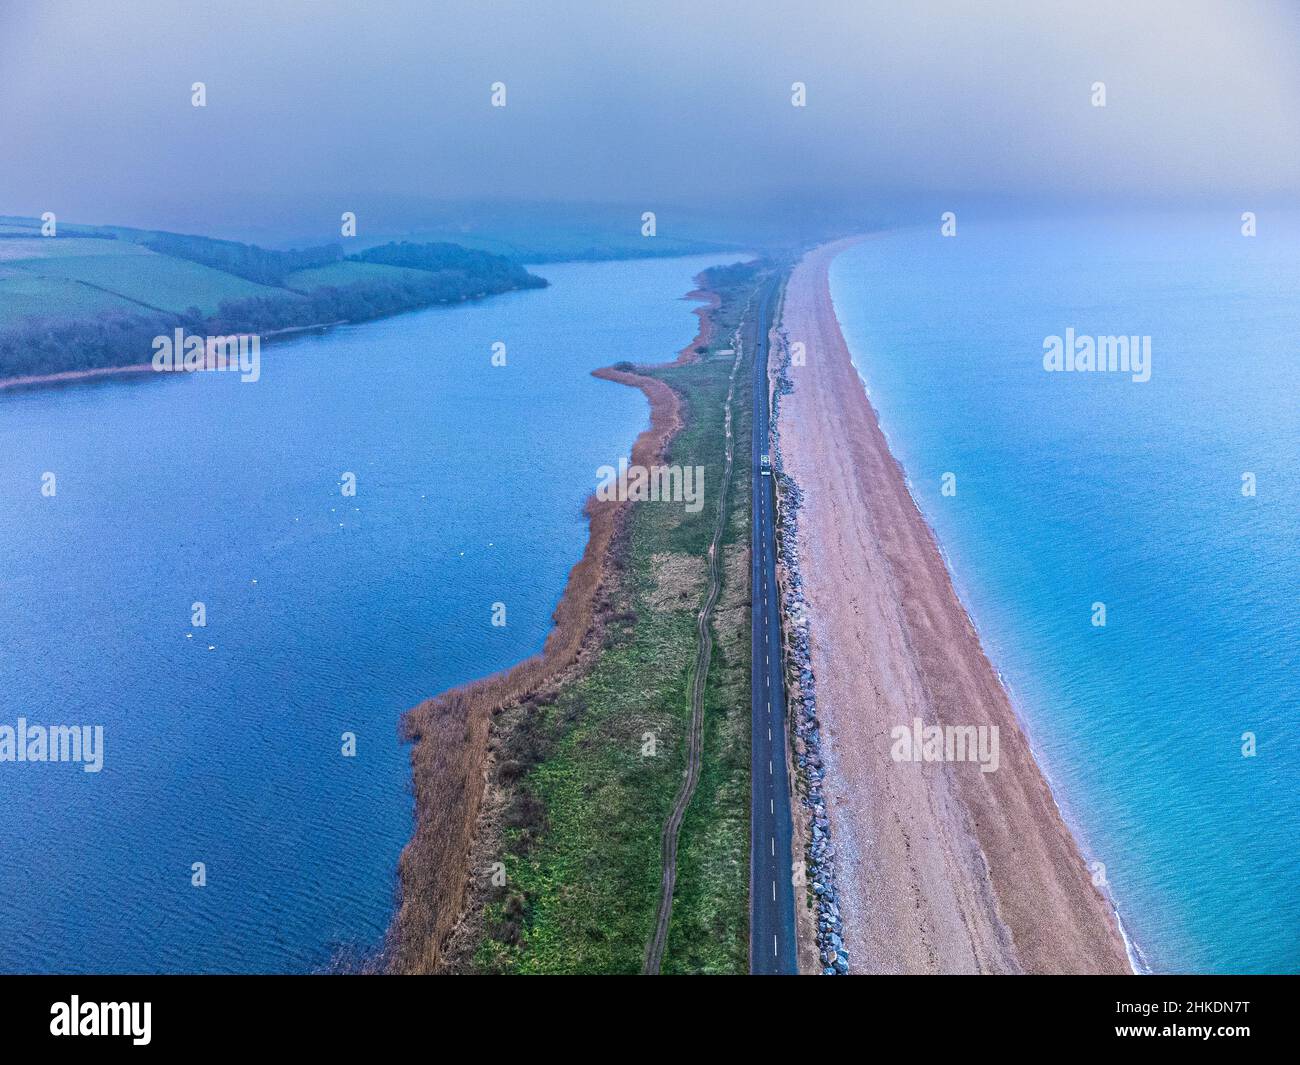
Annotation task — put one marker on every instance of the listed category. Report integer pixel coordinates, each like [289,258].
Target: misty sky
[636,102]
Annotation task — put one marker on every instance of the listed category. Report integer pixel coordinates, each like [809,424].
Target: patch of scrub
[678,581]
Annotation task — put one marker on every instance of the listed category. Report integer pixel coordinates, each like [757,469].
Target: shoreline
[942,868]
[72,376]
[1072,823]
[451,733]
[1136,961]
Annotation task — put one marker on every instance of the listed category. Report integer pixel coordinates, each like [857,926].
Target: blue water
[325,614]
[1074,489]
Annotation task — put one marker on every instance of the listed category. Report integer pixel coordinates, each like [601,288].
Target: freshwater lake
[326,613]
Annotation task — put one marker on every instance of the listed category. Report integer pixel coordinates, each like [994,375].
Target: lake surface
[1079,488]
[325,613]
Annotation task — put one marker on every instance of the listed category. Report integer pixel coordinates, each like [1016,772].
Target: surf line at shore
[450,733]
[1136,959]
[941,870]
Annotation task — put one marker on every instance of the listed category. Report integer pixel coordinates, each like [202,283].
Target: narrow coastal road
[771,888]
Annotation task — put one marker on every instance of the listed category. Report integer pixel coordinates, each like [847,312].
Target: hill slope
[95,297]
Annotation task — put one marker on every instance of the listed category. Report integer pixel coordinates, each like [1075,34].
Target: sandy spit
[942,868]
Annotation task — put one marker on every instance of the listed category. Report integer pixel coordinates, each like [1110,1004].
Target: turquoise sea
[1083,488]
[325,613]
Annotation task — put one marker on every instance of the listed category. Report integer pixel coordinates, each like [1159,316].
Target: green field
[23,294]
[582,835]
[157,282]
[32,251]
